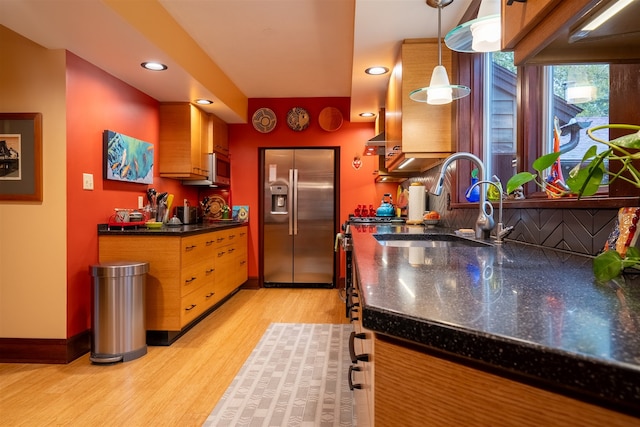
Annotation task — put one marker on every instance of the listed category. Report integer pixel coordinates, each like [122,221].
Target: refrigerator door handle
[290,202]
[294,215]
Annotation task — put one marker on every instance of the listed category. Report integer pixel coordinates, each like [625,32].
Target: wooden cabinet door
[219,136]
[182,129]
[519,18]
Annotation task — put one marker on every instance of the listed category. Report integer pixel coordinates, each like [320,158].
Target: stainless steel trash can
[118,320]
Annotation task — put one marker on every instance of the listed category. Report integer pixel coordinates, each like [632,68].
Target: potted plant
[586,178]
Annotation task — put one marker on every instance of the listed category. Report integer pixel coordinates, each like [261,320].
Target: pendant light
[439,91]
[483,34]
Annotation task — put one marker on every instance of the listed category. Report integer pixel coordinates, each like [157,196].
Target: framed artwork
[21,156]
[127,158]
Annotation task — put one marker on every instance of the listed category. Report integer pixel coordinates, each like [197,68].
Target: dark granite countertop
[529,313]
[183,230]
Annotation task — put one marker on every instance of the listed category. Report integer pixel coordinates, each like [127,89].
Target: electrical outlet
[87,181]
[140,202]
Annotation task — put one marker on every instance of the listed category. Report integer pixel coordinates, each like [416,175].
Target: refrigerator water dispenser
[279,193]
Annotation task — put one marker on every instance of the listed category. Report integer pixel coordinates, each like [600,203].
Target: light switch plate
[87,181]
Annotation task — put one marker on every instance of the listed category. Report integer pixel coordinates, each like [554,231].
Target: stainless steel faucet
[501,232]
[485,222]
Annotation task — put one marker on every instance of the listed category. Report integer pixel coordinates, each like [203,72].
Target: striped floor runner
[296,376]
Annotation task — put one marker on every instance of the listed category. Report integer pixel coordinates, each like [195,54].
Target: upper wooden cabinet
[184,141]
[416,129]
[539,32]
[219,136]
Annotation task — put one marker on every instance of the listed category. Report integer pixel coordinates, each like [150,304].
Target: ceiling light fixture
[376,71]
[154,66]
[202,101]
[599,19]
[439,91]
[483,34]
[367,114]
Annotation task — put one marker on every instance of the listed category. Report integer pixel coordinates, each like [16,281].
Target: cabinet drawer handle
[188,281]
[209,242]
[190,248]
[351,316]
[211,270]
[191,307]
[220,239]
[232,236]
[355,358]
[353,386]
[220,254]
[242,234]
[231,250]
[510,2]
[210,294]
[243,262]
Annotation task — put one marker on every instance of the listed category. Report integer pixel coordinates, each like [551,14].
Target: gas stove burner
[376,220]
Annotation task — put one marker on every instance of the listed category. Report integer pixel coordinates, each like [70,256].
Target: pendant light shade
[439,91]
[483,34]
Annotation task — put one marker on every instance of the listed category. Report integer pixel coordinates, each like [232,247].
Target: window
[578,95]
[500,130]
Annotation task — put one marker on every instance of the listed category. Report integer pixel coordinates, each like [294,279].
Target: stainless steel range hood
[375,146]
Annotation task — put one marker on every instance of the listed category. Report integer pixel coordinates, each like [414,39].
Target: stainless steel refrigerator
[299,217]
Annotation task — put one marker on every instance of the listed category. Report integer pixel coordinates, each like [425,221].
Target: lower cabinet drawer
[197,302]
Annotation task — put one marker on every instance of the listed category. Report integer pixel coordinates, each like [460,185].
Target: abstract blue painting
[127,158]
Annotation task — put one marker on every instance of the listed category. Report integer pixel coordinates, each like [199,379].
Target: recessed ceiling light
[204,101]
[367,114]
[376,71]
[154,66]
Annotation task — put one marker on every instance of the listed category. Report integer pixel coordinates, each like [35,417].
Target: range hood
[375,146]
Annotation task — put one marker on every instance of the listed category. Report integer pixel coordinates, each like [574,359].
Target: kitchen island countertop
[532,314]
[183,230]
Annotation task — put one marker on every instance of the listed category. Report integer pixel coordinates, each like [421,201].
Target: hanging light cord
[439,34]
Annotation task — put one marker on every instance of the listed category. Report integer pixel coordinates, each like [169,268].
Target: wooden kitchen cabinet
[415,388]
[184,141]
[416,129]
[187,275]
[219,132]
[538,32]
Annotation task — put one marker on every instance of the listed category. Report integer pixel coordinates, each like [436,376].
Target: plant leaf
[607,265]
[519,179]
[587,180]
[590,153]
[628,141]
[544,162]
[633,252]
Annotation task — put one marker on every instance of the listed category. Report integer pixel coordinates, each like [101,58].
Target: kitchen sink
[427,241]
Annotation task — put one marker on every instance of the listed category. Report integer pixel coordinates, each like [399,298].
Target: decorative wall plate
[298,119]
[264,120]
[330,119]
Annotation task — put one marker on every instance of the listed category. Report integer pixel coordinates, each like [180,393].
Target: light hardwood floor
[177,385]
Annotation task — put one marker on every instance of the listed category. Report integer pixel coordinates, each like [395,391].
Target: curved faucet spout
[501,231]
[484,223]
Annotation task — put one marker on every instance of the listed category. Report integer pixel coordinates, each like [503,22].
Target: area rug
[296,376]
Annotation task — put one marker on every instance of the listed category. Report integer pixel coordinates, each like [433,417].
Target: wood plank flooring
[169,386]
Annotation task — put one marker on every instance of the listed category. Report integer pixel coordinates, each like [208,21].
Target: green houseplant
[586,178]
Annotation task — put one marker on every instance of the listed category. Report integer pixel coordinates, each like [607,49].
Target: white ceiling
[266,48]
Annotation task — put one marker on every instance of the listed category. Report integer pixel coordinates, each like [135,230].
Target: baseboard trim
[42,350]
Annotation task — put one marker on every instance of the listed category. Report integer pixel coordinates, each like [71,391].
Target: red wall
[356,186]
[97,101]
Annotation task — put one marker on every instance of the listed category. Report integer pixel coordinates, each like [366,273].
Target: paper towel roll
[416,203]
